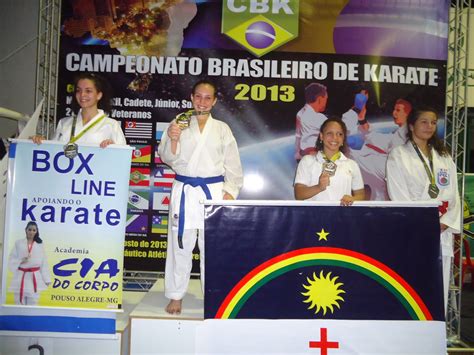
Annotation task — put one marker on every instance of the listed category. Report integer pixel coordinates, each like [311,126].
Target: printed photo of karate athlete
[27,262]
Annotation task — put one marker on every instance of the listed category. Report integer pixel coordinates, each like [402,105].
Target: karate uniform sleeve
[164,150]
[44,269]
[314,125]
[351,119]
[233,175]
[452,218]
[118,136]
[398,138]
[59,133]
[396,179]
[14,259]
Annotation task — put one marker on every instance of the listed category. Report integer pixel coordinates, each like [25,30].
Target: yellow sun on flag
[323,292]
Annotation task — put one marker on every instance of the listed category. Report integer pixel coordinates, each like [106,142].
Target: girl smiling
[329,175]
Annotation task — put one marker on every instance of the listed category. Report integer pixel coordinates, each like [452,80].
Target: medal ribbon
[30,246]
[75,138]
[334,157]
[429,170]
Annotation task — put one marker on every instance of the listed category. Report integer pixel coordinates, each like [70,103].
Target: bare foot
[174,307]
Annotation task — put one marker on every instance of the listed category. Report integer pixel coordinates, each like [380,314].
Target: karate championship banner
[261,54]
[323,262]
[76,209]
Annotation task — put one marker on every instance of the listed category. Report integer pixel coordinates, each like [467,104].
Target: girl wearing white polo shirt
[329,175]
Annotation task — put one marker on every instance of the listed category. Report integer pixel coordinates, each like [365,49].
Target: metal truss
[47,63]
[49,23]
[456,139]
[144,280]
[140,280]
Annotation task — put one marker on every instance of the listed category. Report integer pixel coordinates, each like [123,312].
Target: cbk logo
[260,25]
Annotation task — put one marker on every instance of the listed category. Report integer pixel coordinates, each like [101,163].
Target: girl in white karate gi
[91,125]
[27,262]
[422,170]
[329,175]
[206,160]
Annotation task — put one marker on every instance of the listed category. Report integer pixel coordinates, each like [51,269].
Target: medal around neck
[330,167]
[71,150]
[433,191]
[201,113]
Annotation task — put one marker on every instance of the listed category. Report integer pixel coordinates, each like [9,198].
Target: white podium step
[153,331]
[154,302]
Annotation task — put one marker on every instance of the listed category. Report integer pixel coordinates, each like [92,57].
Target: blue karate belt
[194,182]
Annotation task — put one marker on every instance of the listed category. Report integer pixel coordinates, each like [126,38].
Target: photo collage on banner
[150,186]
[261,58]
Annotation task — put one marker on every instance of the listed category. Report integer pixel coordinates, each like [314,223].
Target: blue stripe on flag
[58,324]
[12,150]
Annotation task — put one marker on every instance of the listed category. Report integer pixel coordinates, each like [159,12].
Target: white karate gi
[351,120]
[37,260]
[213,152]
[372,158]
[108,128]
[407,181]
[346,179]
[308,125]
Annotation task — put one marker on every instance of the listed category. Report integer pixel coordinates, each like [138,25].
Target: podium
[299,277]
[288,277]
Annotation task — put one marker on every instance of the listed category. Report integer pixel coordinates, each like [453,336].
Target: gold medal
[184,119]
[433,191]
[71,150]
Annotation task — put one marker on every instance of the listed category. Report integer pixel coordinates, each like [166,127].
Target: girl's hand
[37,139]
[174,132]
[106,142]
[347,200]
[227,196]
[323,180]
